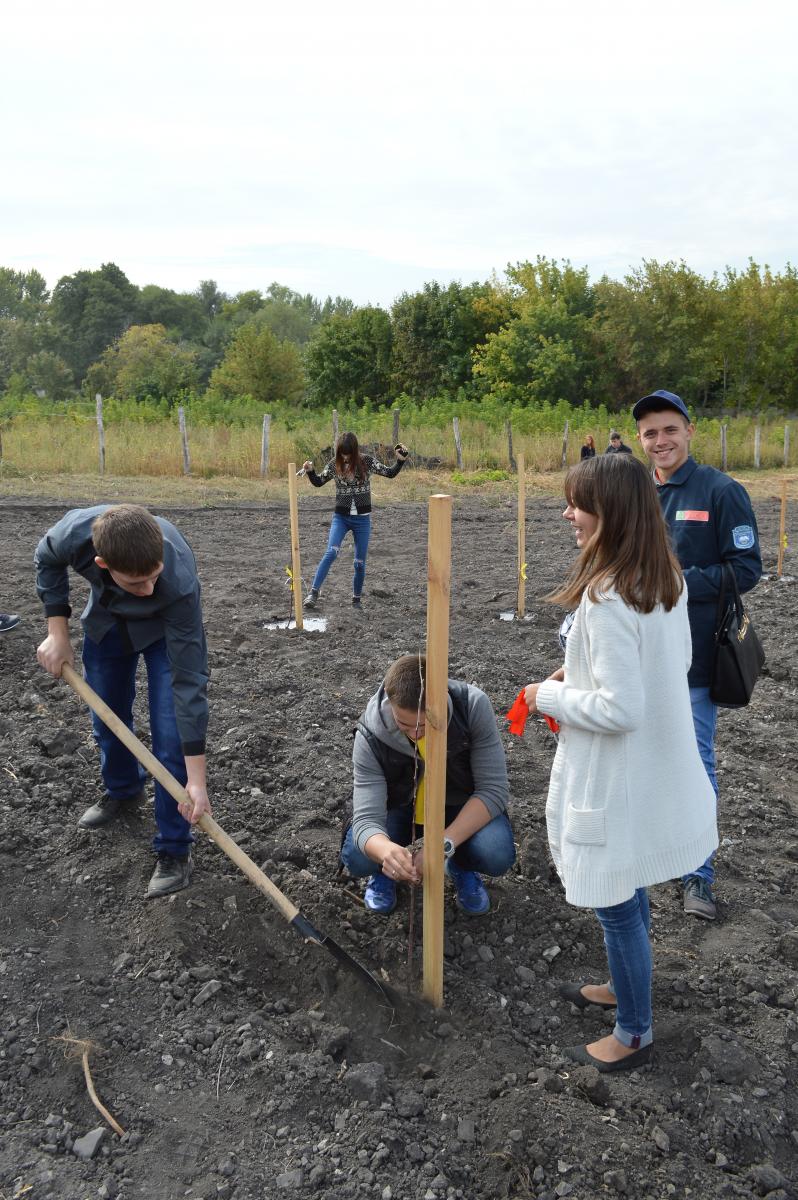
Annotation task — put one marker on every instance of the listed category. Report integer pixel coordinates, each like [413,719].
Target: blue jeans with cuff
[360,527]
[705,721]
[110,668]
[626,937]
[490,851]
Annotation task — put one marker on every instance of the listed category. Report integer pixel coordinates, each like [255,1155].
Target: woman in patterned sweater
[352,473]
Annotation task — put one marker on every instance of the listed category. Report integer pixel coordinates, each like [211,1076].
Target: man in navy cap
[711,522]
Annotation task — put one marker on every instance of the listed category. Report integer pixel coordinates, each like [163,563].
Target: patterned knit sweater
[353,495]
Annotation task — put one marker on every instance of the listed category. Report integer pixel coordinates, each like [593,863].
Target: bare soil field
[241,1061]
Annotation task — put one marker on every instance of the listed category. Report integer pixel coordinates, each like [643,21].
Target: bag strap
[728,578]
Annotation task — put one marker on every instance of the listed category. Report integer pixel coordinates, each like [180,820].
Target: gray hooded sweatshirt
[370,796]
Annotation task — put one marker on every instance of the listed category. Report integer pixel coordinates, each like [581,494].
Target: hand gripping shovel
[223,840]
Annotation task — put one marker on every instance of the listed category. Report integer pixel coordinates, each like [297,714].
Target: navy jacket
[711,522]
[172,612]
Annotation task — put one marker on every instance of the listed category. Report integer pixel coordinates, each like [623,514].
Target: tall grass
[67,443]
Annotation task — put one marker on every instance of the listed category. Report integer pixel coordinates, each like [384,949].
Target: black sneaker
[312,599]
[107,809]
[170,875]
[698,899]
[356,602]
[8,621]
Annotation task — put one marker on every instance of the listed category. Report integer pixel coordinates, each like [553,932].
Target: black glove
[401,451]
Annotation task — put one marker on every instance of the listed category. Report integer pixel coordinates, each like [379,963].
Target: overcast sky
[363,148]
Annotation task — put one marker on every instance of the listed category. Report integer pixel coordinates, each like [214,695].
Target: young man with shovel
[144,600]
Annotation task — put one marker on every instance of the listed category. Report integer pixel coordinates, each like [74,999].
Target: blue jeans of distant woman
[360,527]
[110,668]
[626,937]
[705,721]
[490,851]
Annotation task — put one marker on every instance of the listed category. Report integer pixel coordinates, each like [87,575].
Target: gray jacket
[370,795]
[172,612]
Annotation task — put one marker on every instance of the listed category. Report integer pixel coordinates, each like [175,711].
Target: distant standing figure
[8,621]
[352,472]
[589,448]
[617,446]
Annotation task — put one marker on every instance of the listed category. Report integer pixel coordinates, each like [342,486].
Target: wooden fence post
[98,402]
[564,461]
[439,567]
[296,564]
[396,413]
[181,417]
[757,445]
[521,606]
[335,430]
[458,445]
[786,445]
[782,528]
[509,431]
[264,445]
[723,455]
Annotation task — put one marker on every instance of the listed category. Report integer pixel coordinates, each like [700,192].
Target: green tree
[47,374]
[143,363]
[181,313]
[349,358]
[757,338]
[256,364]
[90,309]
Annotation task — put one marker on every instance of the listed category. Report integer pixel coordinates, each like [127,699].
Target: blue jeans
[491,850]
[626,928]
[110,668]
[705,720]
[361,531]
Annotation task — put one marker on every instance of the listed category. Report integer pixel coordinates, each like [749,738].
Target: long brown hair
[630,550]
[347,444]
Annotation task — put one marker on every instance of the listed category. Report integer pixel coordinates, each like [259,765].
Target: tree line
[540,335]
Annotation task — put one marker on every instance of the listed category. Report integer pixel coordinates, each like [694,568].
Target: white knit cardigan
[630,803]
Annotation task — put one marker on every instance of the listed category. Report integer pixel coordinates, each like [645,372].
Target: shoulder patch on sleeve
[743,537]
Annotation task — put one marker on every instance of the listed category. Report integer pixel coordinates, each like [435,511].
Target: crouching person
[144,602]
[388,759]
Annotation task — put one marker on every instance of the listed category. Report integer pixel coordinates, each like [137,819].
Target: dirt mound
[241,1061]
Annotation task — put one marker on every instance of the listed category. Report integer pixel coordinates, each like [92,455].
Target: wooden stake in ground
[439,569]
[296,566]
[564,458]
[782,528]
[264,445]
[98,401]
[181,418]
[723,455]
[521,605]
[458,442]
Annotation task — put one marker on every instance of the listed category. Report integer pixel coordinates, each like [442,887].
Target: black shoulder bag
[738,656]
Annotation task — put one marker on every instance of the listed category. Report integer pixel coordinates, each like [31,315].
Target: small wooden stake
[439,567]
[264,445]
[98,400]
[296,567]
[564,459]
[508,429]
[723,456]
[335,430]
[758,446]
[786,445]
[458,444]
[396,415]
[782,528]
[181,417]
[521,605]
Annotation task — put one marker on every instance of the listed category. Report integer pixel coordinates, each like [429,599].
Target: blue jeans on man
[705,721]
[490,851]
[110,669]
[360,528]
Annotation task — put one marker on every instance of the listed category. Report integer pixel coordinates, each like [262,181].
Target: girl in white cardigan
[629,800]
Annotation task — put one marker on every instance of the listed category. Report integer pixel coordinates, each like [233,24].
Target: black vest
[398,767]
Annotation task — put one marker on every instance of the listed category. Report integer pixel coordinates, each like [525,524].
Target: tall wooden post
[439,567]
[508,429]
[98,401]
[396,415]
[564,460]
[264,445]
[181,417]
[782,530]
[296,566]
[786,445]
[758,446]
[335,431]
[521,605]
[723,454]
[458,444]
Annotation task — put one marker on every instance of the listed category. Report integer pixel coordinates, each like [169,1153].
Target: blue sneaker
[380,894]
[470,892]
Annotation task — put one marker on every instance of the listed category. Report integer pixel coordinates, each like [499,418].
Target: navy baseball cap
[657,400]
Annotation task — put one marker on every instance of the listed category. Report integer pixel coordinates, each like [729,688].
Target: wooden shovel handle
[167,780]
